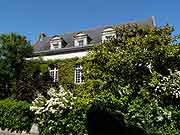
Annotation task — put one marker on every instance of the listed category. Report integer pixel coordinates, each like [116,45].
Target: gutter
[63,50]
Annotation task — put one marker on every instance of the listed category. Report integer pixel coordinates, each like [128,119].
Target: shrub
[15,115]
[56,112]
[136,74]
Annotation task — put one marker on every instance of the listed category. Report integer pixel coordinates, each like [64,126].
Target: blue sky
[30,17]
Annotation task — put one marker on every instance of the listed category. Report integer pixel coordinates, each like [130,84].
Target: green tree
[14,49]
[123,73]
[34,79]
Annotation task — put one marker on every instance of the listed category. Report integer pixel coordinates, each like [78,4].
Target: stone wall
[33,131]
[6,132]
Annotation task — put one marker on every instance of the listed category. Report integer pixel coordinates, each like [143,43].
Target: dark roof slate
[94,34]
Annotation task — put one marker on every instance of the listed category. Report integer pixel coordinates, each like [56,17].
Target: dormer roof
[80,34]
[108,29]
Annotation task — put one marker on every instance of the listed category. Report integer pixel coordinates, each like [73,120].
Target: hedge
[15,115]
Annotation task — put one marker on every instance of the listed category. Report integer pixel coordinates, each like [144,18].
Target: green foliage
[65,70]
[15,115]
[14,49]
[135,73]
[66,73]
[131,60]
[56,113]
[34,77]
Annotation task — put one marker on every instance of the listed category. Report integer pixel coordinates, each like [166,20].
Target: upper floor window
[81,39]
[55,45]
[108,34]
[109,37]
[53,72]
[78,74]
[57,42]
[81,42]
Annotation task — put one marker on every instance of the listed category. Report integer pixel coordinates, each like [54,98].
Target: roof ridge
[151,18]
[94,32]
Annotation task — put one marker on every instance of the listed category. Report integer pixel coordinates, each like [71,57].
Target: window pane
[78,66]
[81,42]
[78,74]
[108,37]
[54,74]
[55,45]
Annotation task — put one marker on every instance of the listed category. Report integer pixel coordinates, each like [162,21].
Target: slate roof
[42,47]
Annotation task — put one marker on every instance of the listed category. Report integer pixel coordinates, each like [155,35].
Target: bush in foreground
[56,113]
[15,115]
[138,74]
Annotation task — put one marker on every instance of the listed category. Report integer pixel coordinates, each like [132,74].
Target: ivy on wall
[66,69]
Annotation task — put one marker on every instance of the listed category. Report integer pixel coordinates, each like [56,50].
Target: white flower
[59,100]
[160,118]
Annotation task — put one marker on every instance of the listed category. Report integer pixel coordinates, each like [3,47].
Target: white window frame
[55,43]
[81,42]
[81,37]
[108,34]
[78,74]
[109,37]
[53,72]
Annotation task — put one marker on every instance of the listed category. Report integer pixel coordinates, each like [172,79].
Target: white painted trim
[63,56]
[154,20]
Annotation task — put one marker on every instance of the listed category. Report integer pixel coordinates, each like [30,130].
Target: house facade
[69,47]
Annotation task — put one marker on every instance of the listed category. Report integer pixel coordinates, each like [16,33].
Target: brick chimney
[41,36]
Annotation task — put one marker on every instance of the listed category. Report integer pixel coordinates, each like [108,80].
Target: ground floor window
[53,72]
[78,74]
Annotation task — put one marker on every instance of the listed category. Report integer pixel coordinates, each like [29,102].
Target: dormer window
[55,45]
[57,42]
[108,34]
[109,37]
[81,39]
[81,42]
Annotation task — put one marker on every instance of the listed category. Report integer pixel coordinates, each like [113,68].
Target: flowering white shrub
[170,85]
[51,112]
